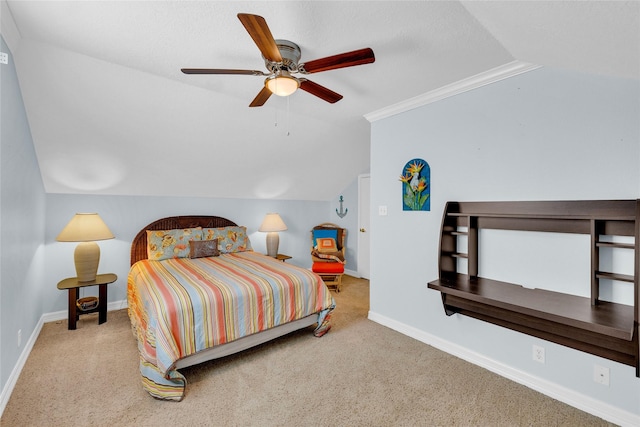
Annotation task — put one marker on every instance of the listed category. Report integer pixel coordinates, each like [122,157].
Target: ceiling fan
[281,58]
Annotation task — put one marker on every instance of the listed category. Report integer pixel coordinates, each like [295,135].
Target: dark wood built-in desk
[606,329]
[73,285]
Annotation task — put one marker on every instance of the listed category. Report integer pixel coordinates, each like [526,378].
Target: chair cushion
[326,245]
[327,267]
[320,233]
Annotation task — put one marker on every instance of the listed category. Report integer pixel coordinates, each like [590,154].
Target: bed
[196,291]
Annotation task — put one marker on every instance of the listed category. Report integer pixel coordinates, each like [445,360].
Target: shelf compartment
[614,276]
[459,255]
[615,245]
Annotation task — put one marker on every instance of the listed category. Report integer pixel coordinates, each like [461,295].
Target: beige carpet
[359,374]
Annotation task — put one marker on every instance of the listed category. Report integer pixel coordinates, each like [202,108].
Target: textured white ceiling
[111,113]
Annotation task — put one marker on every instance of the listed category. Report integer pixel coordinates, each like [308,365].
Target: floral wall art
[416,186]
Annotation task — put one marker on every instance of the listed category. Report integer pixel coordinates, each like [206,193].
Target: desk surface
[101,279]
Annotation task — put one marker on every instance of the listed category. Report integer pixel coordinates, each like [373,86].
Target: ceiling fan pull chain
[288,121]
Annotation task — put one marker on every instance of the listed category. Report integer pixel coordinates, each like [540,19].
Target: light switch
[382,210]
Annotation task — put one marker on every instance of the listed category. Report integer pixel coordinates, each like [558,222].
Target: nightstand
[72,285]
[282,257]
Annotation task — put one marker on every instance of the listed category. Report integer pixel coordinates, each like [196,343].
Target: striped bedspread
[181,306]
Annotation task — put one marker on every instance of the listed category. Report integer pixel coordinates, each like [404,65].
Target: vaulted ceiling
[111,113]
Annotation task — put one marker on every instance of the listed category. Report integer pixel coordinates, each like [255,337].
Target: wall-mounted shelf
[606,329]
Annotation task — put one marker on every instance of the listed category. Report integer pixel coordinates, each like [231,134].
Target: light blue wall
[126,215]
[32,262]
[22,211]
[349,222]
[547,134]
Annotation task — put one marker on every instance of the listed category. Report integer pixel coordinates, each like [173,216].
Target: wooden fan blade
[262,97]
[347,59]
[222,71]
[319,91]
[259,31]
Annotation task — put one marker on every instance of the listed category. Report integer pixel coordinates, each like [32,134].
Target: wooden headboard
[139,244]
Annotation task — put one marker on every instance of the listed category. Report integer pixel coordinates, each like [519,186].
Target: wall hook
[341,213]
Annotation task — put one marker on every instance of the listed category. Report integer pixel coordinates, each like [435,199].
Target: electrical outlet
[538,353]
[601,375]
[4,58]
[19,337]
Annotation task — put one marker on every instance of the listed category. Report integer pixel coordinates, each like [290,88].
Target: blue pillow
[324,233]
[230,239]
[165,244]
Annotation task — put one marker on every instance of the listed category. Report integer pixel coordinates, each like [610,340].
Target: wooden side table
[282,257]
[72,285]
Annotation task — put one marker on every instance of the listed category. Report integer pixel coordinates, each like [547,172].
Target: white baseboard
[15,373]
[17,369]
[351,273]
[568,396]
[62,315]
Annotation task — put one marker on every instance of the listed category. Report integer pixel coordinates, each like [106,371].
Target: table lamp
[86,228]
[272,224]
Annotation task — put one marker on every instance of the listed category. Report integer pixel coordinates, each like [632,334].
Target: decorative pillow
[319,233]
[164,244]
[326,245]
[203,248]
[230,239]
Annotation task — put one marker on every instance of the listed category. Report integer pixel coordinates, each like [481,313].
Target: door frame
[362,251]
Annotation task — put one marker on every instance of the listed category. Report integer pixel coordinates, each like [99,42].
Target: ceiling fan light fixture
[282,84]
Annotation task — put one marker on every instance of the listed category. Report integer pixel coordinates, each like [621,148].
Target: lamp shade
[85,227]
[272,222]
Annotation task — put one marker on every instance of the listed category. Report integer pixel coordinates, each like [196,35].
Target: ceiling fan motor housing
[290,53]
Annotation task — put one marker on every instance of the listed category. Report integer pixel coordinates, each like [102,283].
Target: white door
[364,191]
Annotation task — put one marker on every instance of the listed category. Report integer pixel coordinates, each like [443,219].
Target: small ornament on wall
[342,211]
[416,186]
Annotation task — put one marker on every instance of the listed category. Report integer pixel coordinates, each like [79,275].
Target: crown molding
[487,77]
